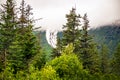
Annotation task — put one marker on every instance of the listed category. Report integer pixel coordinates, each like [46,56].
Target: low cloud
[100,12]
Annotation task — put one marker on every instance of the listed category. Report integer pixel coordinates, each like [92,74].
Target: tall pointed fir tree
[89,53]
[7,29]
[104,60]
[25,43]
[71,33]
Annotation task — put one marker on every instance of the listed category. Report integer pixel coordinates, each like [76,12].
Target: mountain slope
[109,35]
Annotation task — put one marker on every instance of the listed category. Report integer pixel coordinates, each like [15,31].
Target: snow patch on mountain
[51,36]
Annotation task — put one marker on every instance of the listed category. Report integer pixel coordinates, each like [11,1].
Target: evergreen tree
[7,28]
[25,14]
[71,33]
[104,57]
[23,50]
[116,61]
[25,42]
[89,53]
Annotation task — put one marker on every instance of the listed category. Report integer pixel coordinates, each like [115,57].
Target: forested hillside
[108,35]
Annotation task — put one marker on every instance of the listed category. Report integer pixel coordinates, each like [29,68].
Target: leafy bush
[48,73]
[68,67]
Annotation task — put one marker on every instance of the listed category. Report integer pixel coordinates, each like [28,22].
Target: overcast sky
[53,12]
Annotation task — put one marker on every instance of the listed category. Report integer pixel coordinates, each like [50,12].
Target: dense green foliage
[104,60]
[88,49]
[116,61]
[7,29]
[76,57]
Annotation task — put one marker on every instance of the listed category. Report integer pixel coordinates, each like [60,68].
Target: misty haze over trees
[79,54]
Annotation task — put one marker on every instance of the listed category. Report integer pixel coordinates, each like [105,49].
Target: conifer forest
[80,52]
